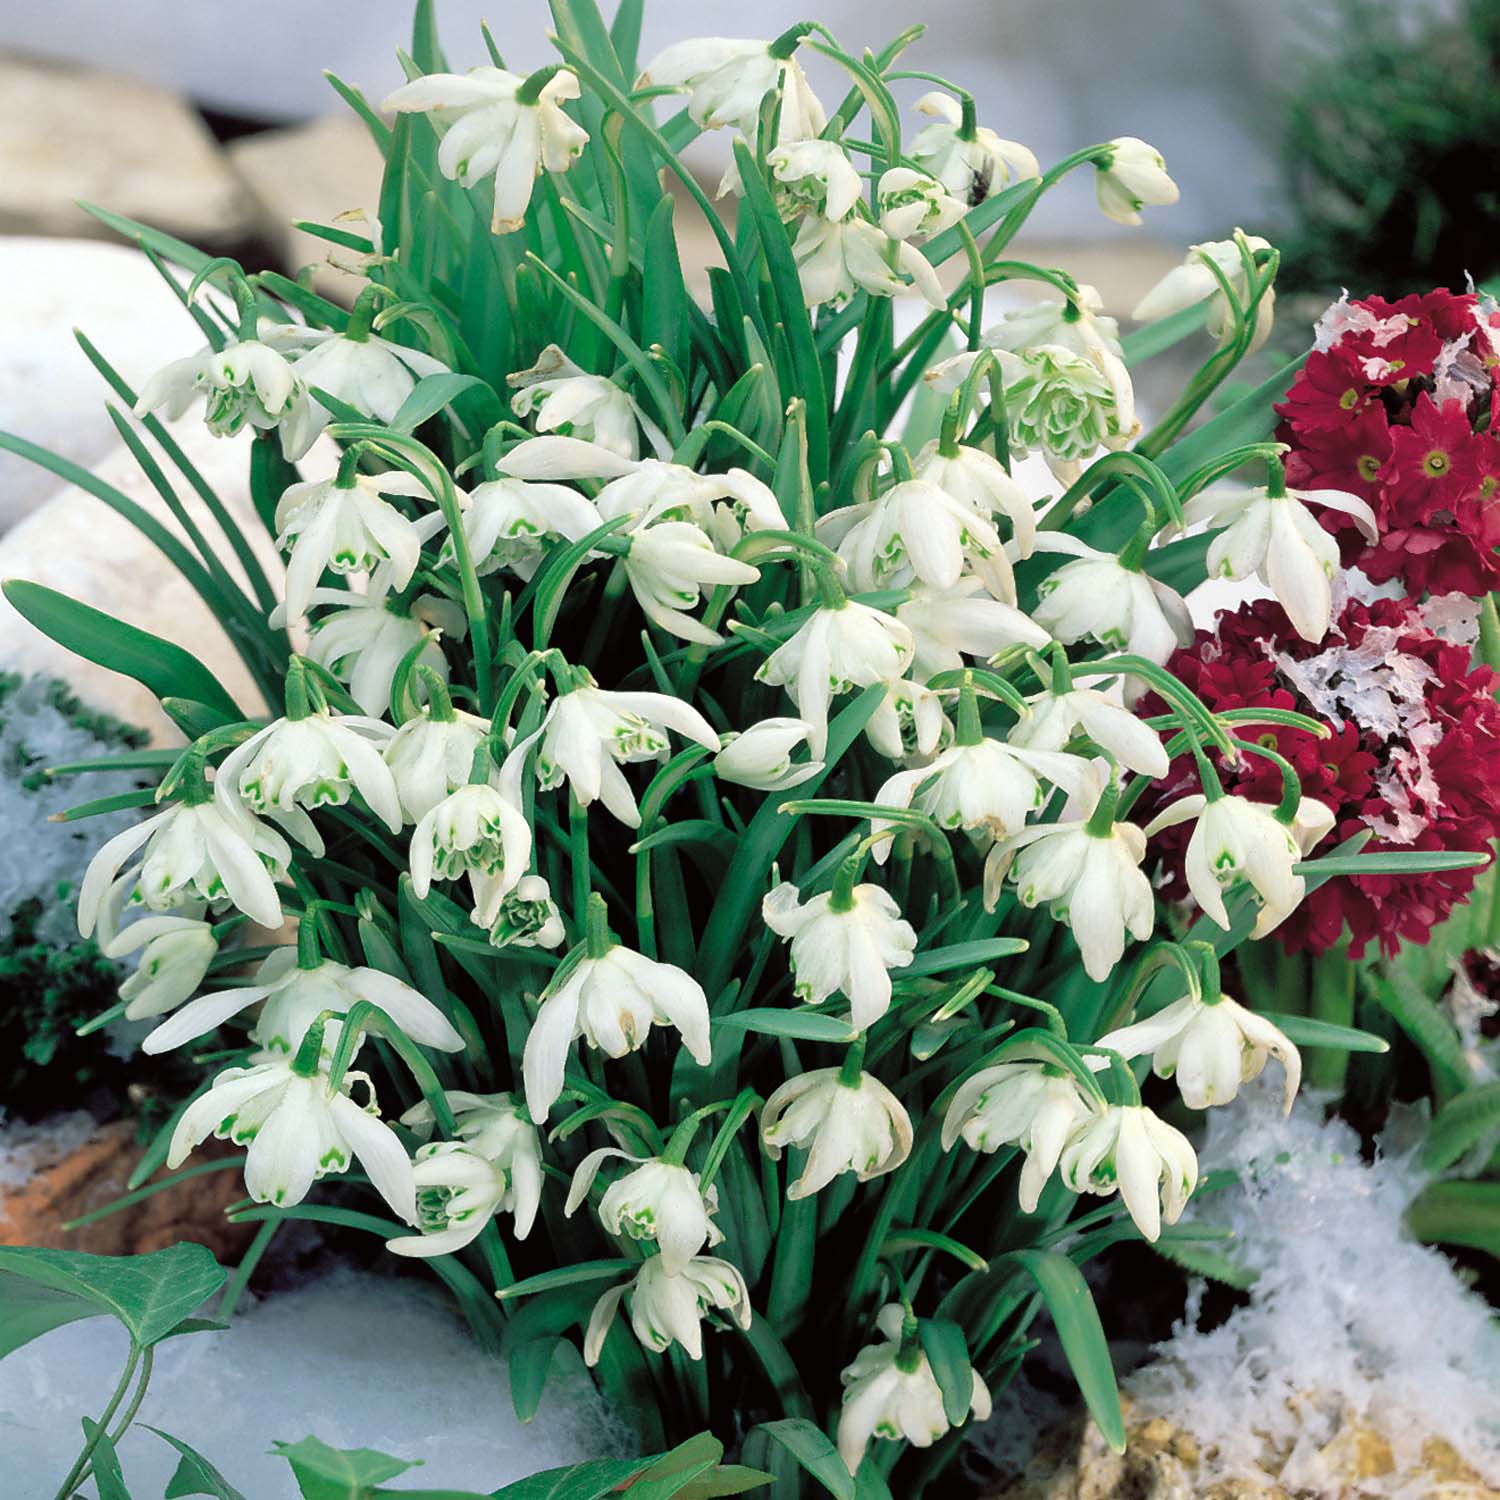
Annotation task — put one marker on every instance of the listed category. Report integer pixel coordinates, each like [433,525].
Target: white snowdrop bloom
[1236,839]
[371,374]
[590,733]
[668,566]
[970,169]
[298,1129]
[1211,1047]
[430,756]
[367,636]
[815,177]
[761,756]
[497,1129]
[207,851]
[667,1308]
[245,384]
[1278,539]
[843,946]
[1055,718]
[458,1192]
[528,917]
[658,1200]
[479,831]
[910,722]
[1131,178]
[726,79]
[176,951]
[1098,598]
[912,203]
[858,1127]
[1127,1149]
[611,1002]
[947,625]
[891,1392]
[292,998]
[1193,282]
[981,482]
[1077,323]
[838,257]
[1067,405]
[509,523]
[833,652]
[1025,1104]
[563,398]
[493,131]
[348,528]
[312,762]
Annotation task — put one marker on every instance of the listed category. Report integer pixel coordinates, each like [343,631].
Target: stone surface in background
[134,147]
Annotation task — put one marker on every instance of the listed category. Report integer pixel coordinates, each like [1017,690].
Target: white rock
[124,144]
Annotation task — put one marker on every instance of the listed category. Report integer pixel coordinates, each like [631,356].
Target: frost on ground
[1350,1321]
[354,1359]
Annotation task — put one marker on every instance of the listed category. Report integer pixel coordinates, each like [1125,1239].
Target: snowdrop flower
[1131,177]
[610,1001]
[564,398]
[1077,323]
[970,165]
[1278,538]
[761,757]
[246,383]
[1025,1104]
[947,625]
[509,523]
[846,940]
[430,757]
[1100,598]
[909,722]
[314,761]
[727,78]
[978,480]
[838,649]
[659,1200]
[1212,1047]
[497,1129]
[814,177]
[367,637]
[891,1392]
[1236,839]
[298,1129]
[205,850]
[292,997]
[857,1126]
[175,954]
[347,527]
[838,257]
[667,1308]
[1193,282]
[1056,717]
[669,565]
[1126,1149]
[1067,405]
[590,733]
[479,831]
[912,203]
[500,125]
[458,1192]
[528,917]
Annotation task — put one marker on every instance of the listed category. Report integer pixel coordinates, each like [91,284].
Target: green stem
[75,1474]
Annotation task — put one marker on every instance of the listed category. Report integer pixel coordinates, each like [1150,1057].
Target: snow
[24,1145]
[1349,1319]
[355,1359]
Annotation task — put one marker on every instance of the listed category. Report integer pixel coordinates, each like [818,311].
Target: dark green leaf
[325,1473]
[807,1026]
[194,1474]
[108,1479]
[947,1351]
[433,392]
[1460,1125]
[811,1447]
[1458,1213]
[1305,1031]
[962,956]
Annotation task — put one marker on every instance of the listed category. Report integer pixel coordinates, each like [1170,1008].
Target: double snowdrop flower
[1055,718]
[970,165]
[1067,404]
[528,917]
[835,258]
[726,78]
[510,523]
[1077,323]
[1133,176]
[657,1200]
[668,566]
[502,125]
[1025,1104]
[983,484]
[430,757]
[479,831]
[1128,1150]
[815,177]
[176,951]
[1195,281]
[1276,537]
[946,625]
[891,1392]
[761,757]
[843,942]
[668,1308]
[912,203]
[1211,1047]
[558,396]
[909,723]
[858,1126]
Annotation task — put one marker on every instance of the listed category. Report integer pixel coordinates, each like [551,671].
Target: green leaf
[433,392]
[166,669]
[1458,1213]
[811,1447]
[1305,1031]
[807,1026]
[1156,338]
[150,1294]
[179,252]
[325,1473]
[1460,1125]
[194,1474]
[108,1479]
[727,1479]
[962,956]
[561,1276]
[1392,862]
[590,1480]
[947,1351]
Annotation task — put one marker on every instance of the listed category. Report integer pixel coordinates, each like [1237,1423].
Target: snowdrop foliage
[683,767]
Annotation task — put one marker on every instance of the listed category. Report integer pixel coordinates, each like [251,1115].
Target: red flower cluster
[1414,756]
[1399,403]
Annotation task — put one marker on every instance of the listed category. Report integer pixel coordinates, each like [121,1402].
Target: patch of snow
[1455,617]
[23,1146]
[355,1359]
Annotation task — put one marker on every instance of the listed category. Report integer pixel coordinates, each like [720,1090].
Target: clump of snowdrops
[681,883]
